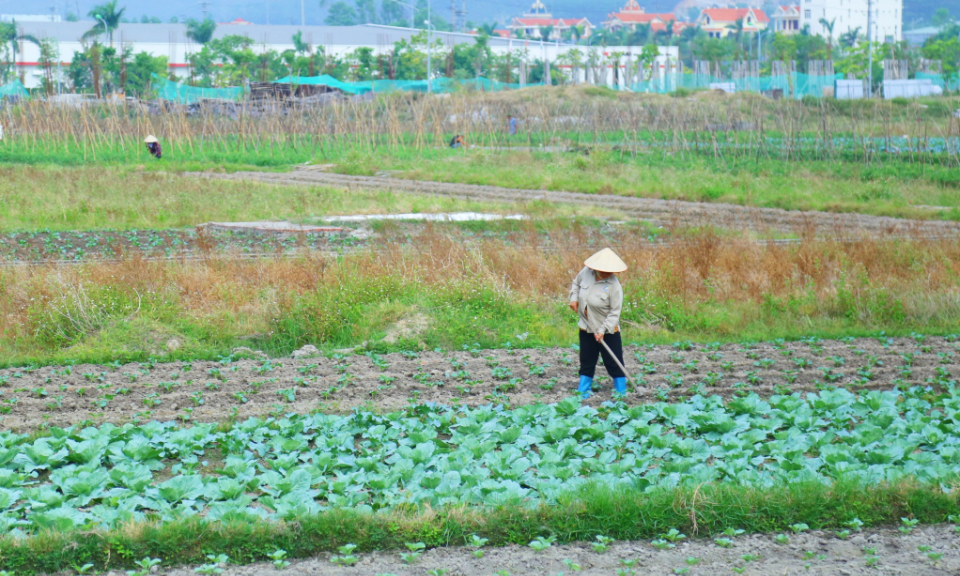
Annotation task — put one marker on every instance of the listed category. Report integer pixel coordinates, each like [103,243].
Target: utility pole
[869,48]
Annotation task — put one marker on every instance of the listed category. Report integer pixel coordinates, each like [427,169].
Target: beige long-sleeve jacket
[600,302]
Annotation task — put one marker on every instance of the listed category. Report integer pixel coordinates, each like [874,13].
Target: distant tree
[850,37]
[545,32]
[10,39]
[341,14]
[105,14]
[201,32]
[366,12]
[941,17]
[489,29]
[391,12]
[71,17]
[828,25]
[174,20]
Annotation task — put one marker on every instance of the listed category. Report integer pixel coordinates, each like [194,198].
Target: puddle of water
[444,217]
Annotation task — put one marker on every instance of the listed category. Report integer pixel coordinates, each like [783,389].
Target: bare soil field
[656,211]
[250,384]
[822,553]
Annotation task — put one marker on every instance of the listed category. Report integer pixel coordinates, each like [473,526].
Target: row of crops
[300,465]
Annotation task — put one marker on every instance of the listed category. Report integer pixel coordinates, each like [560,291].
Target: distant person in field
[596,295]
[458,142]
[153,145]
[511,125]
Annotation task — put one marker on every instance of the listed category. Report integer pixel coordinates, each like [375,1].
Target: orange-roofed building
[530,24]
[633,15]
[719,22]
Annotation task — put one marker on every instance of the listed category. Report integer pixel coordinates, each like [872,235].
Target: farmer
[597,296]
[153,145]
[511,125]
[458,142]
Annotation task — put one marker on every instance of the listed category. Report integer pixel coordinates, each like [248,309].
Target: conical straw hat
[605,260]
[150,139]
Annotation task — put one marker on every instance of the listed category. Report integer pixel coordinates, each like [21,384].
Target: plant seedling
[477,542]
[843,534]
[750,557]
[571,564]
[81,570]
[908,526]
[145,565]
[662,544]
[869,551]
[723,542]
[540,543]
[871,560]
[602,544]
[415,549]
[739,569]
[673,535]
[781,539]
[278,559]
[924,548]
[437,572]
[629,563]
[799,527]
[934,556]
[681,570]
[625,572]
[854,524]
[346,557]
[731,532]
[691,560]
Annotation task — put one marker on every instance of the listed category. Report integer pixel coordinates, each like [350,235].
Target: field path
[871,552]
[657,211]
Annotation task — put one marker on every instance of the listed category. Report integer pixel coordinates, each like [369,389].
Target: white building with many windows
[848,15]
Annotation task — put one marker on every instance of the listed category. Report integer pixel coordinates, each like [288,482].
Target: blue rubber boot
[620,385]
[585,383]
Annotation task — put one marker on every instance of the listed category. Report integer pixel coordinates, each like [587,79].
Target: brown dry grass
[870,283]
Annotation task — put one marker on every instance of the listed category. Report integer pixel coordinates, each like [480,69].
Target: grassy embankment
[468,289]
[624,515]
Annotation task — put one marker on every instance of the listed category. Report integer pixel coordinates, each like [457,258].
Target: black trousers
[590,349]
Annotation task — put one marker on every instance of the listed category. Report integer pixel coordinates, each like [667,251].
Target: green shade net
[437,85]
[15,89]
[947,83]
[183,94]
[796,85]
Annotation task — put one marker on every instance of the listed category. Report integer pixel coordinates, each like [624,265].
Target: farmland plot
[427,455]
[246,385]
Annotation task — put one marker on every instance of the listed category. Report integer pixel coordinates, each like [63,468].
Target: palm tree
[545,32]
[107,16]
[489,29]
[829,27]
[849,38]
[10,39]
[201,32]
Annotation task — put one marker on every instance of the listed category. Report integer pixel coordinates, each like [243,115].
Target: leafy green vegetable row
[428,454]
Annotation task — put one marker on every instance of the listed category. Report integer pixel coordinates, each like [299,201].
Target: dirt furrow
[250,384]
[657,211]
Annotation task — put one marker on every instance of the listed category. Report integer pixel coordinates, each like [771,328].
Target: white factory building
[171,40]
[847,15]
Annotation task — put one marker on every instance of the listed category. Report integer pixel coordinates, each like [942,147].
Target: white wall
[177,52]
[849,14]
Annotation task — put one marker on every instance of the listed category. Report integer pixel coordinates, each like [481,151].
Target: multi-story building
[786,19]
[719,22]
[530,24]
[632,15]
[848,15]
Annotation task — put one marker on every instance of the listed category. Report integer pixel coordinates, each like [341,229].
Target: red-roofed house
[786,19]
[529,24]
[718,22]
[632,15]
[237,22]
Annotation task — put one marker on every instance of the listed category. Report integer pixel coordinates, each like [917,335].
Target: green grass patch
[620,514]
